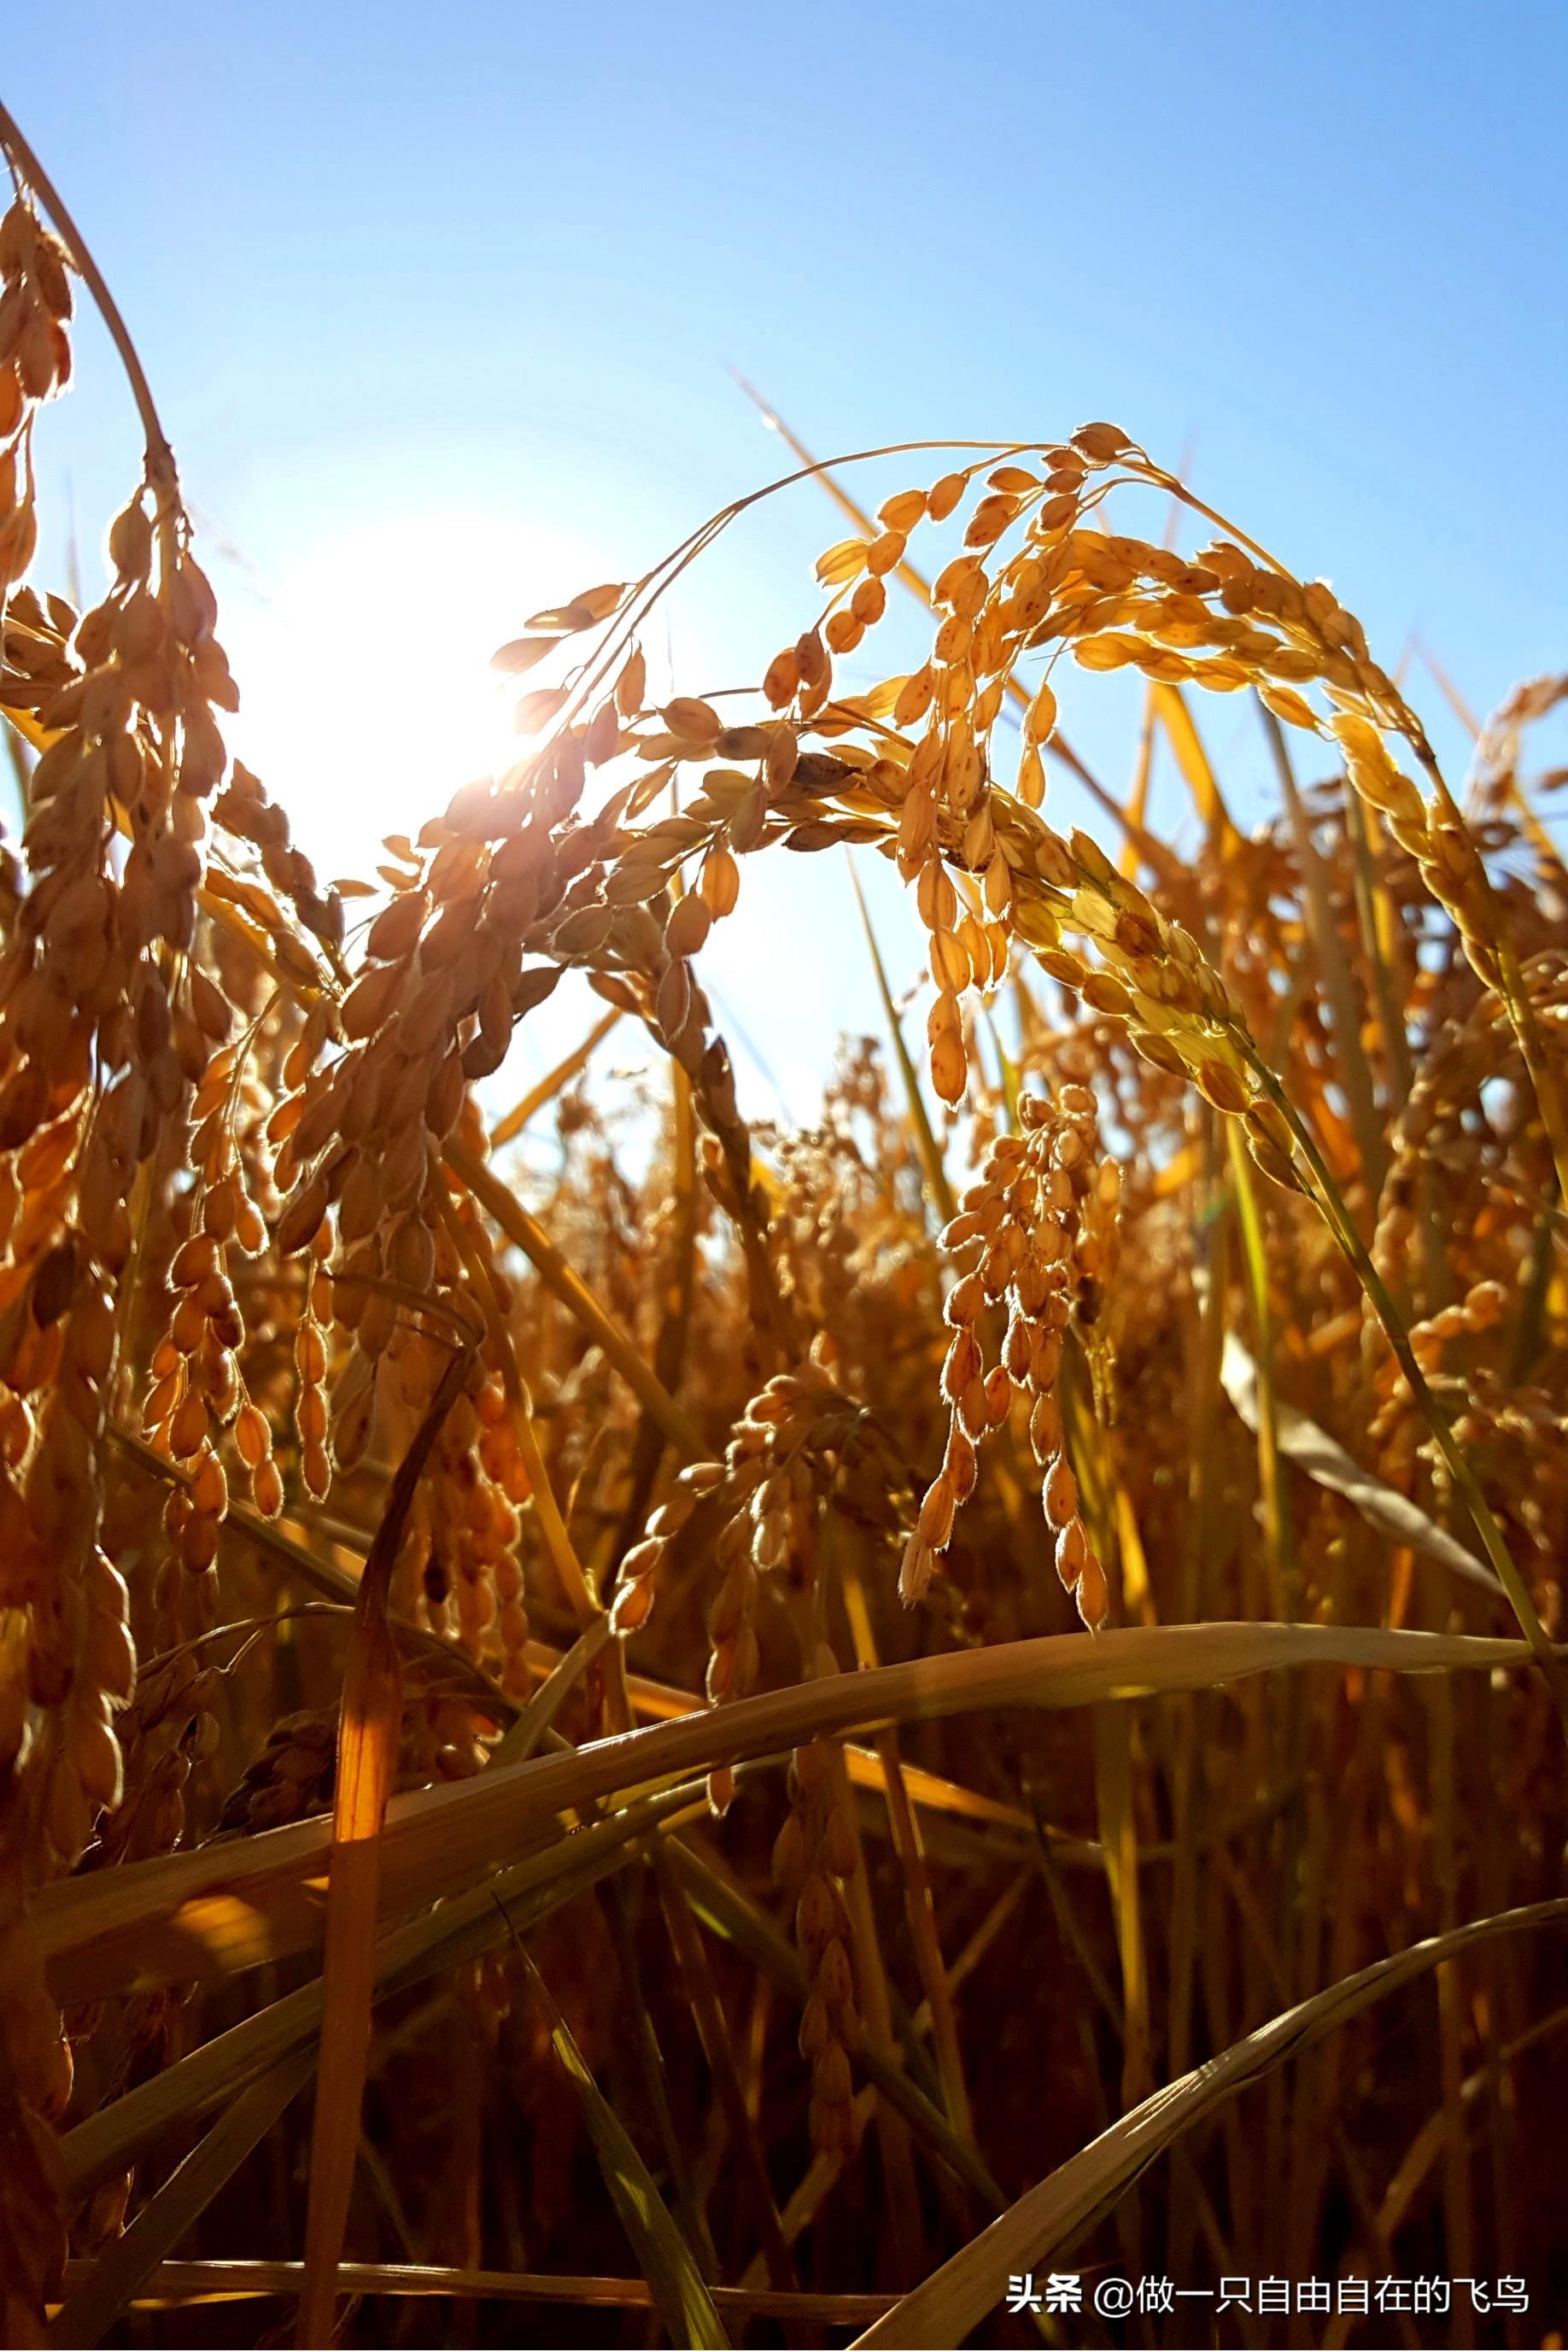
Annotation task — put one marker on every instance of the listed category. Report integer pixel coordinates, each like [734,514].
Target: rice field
[940,1727]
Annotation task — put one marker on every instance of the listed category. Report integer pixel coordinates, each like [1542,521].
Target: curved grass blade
[551,1694]
[222,1907]
[663,2255]
[1314,1451]
[1053,2216]
[129,2261]
[120,2133]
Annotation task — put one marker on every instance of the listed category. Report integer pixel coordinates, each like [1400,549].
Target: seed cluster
[816,1851]
[36,306]
[1037,1232]
[799,1445]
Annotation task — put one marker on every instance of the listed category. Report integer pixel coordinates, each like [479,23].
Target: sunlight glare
[367,697]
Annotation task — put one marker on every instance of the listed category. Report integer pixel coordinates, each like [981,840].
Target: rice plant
[780,1735]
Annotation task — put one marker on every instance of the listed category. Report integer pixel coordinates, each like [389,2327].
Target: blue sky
[438,305]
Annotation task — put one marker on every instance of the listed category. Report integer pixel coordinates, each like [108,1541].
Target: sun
[366,693]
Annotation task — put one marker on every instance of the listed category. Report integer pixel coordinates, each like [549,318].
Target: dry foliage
[500,1553]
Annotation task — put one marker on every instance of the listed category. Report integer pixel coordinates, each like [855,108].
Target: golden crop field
[860,1732]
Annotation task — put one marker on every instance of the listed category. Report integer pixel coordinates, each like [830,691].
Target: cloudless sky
[438,304]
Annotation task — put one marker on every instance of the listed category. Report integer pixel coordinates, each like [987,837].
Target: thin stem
[530,1236]
[1329,1201]
[1522,1012]
[557,1540]
[1510,984]
[1162,480]
[1255,1260]
[160,470]
[1548,1099]
[1350,1062]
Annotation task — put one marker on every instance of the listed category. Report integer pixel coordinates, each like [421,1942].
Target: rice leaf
[226,1907]
[129,2261]
[1056,2214]
[122,2131]
[666,2260]
[1315,1452]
